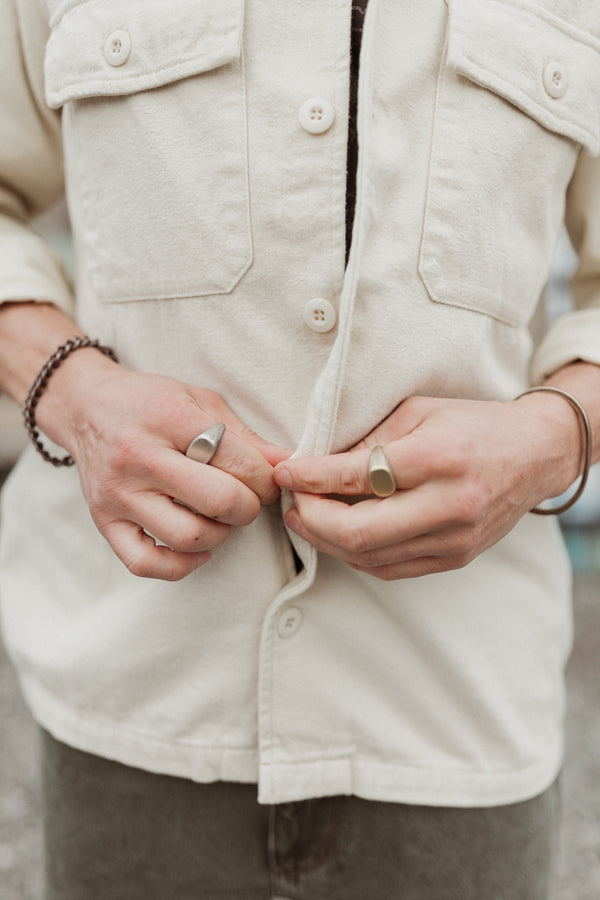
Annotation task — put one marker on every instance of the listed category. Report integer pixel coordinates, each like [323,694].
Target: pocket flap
[533,59]
[108,47]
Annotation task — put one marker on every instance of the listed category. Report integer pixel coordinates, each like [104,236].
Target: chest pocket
[154,126]
[517,96]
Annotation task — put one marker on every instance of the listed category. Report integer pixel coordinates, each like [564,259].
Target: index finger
[338,473]
[348,473]
[239,458]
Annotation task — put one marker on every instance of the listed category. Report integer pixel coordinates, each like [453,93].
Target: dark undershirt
[358,15]
[356,30]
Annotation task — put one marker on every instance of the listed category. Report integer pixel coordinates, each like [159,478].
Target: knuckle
[191,539]
[460,561]
[219,503]
[463,545]
[355,540]
[434,460]
[386,573]
[213,404]
[127,456]
[251,468]
[304,476]
[172,573]
[219,538]
[461,444]
[352,479]
[135,564]
[250,509]
[238,461]
[416,403]
[229,502]
[467,506]
[165,567]
[207,537]
[456,453]
[412,408]
[121,454]
[370,559]
[451,459]
[270,493]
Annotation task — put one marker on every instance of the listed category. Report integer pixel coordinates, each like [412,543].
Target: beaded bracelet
[587,450]
[39,385]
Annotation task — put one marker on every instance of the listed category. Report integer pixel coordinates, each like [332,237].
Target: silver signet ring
[381,477]
[205,445]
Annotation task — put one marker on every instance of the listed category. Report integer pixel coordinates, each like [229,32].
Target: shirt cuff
[30,269]
[573,337]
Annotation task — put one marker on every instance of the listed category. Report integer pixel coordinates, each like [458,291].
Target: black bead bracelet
[39,385]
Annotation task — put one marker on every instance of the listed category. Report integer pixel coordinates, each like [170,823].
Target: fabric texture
[116,832]
[205,217]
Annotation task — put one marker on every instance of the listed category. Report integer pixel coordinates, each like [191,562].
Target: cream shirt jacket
[204,159]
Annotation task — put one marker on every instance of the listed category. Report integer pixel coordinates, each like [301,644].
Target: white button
[316,115]
[320,315]
[289,622]
[554,77]
[117,48]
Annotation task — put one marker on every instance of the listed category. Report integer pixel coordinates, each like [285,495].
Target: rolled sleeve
[31,166]
[576,336]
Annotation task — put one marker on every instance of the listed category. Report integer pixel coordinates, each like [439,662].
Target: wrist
[60,396]
[557,440]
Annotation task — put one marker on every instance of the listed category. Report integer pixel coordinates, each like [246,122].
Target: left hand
[466,472]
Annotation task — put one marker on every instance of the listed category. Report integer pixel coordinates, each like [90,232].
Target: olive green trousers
[117,833]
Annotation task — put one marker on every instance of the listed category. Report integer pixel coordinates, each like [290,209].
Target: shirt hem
[282,782]
[178,758]
[405,783]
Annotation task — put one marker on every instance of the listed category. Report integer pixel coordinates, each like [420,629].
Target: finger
[339,473]
[140,554]
[208,490]
[212,402]
[404,560]
[414,568]
[338,538]
[449,543]
[176,526]
[347,547]
[248,464]
[273,453]
[412,459]
[374,523]
[237,456]
[351,529]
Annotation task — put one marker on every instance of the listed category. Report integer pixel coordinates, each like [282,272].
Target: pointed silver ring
[381,477]
[205,445]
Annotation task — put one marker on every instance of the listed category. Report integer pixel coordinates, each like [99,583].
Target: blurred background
[578,859]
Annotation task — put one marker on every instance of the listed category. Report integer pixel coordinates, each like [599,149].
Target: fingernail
[283,477]
[292,520]
[203,558]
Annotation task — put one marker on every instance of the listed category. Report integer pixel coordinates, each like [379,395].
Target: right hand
[128,433]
